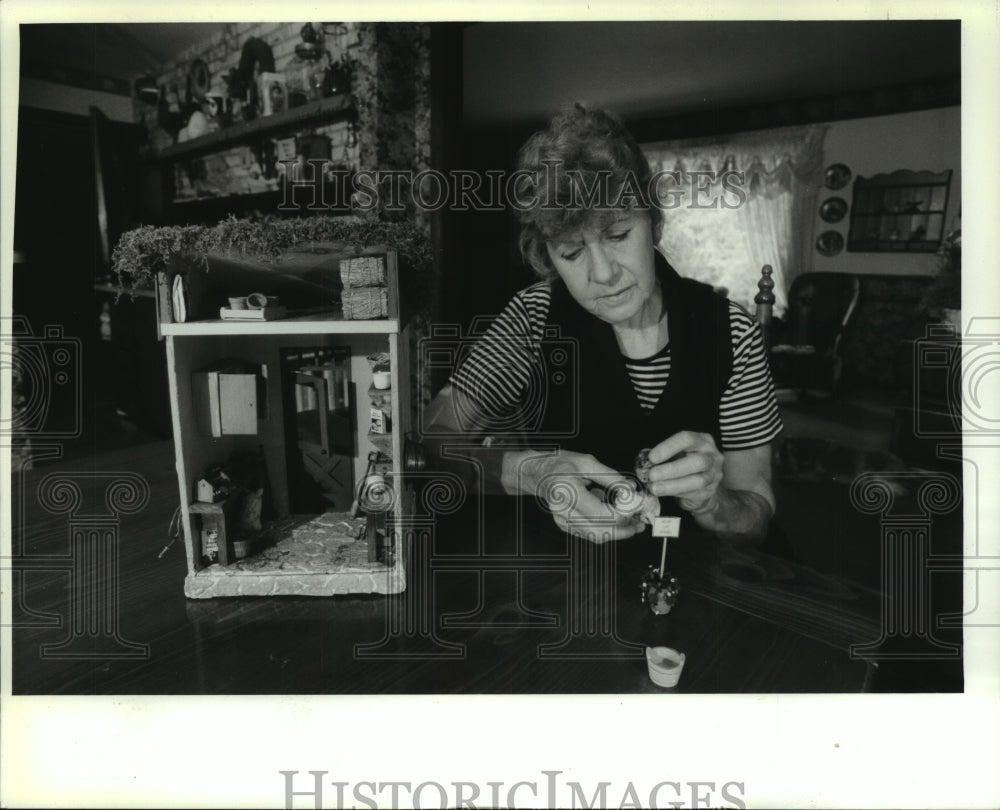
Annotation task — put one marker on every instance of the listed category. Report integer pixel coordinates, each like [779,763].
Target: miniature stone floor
[303,556]
[311,544]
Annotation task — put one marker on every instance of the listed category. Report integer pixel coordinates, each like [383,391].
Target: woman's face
[610,272]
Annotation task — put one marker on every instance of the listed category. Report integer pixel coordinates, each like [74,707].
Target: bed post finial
[765,298]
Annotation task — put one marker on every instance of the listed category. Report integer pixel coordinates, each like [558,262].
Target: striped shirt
[499,371]
[649,377]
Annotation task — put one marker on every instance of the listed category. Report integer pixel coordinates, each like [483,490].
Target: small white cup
[381,379]
[665,665]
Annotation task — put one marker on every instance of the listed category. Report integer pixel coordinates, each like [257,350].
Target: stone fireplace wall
[390,88]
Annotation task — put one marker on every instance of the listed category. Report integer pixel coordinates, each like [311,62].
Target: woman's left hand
[687,466]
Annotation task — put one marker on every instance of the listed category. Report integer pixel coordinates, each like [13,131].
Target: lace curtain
[736,203]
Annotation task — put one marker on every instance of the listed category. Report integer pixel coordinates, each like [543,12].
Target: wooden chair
[765,302]
[805,348]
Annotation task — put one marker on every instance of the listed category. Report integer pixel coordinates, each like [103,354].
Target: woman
[661,363]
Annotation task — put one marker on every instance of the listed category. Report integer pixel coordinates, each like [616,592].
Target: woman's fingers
[687,466]
[580,511]
[680,442]
[596,531]
[687,485]
[599,525]
[568,494]
[691,464]
[589,465]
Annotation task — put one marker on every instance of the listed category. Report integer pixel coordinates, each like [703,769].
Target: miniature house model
[288,454]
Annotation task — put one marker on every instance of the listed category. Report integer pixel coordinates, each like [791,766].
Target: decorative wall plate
[837,176]
[833,209]
[829,243]
[200,79]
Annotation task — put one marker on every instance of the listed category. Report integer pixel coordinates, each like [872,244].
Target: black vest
[598,412]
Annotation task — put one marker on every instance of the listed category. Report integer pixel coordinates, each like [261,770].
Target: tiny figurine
[659,591]
[215,486]
[212,543]
[643,465]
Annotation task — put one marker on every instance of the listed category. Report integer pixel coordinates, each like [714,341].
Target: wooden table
[525,611]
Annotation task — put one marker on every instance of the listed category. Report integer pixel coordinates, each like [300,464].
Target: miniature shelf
[326,109]
[305,556]
[327,323]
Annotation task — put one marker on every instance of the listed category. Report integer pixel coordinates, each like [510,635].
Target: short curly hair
[562,165]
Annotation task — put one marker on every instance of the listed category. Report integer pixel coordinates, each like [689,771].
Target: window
[736,203]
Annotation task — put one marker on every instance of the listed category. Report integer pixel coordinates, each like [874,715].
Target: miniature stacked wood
[365,294]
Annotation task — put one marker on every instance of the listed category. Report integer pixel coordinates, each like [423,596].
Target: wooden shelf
[245,203]
[126,292]
[893,246]
[899,212]
[327,323]
[328,110]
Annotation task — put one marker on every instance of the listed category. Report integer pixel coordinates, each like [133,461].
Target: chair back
[765,302]
[820,306]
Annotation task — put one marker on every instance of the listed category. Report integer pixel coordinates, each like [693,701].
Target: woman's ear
[541,261]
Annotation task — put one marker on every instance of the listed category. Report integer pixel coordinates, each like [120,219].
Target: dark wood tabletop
[498,601]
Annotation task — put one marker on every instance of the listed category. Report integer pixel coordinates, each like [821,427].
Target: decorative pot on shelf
[306,74]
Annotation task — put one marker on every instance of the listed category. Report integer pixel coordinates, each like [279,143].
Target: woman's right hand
[563,481]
